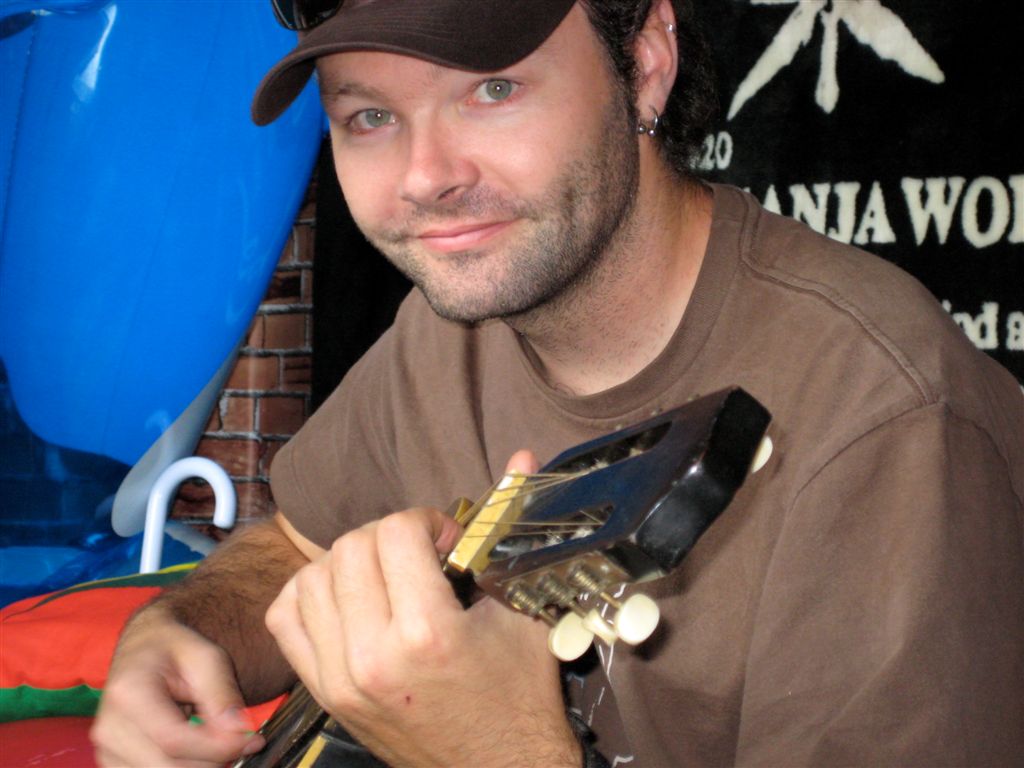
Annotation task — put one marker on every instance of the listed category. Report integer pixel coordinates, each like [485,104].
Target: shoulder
[400,369]
[862,341]
[401,427]
[864,300]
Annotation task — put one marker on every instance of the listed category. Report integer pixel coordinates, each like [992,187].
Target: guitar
[624,508]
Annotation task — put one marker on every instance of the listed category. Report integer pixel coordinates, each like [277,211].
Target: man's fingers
[120,742]
[321,619]
[360,592]
[222,735]
[408,544]
[524,462]
[207,676]
[284,621]
[445,530]
[163,737]
[140,723]
[134,749]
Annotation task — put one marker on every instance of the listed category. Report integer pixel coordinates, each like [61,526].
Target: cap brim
[480,36]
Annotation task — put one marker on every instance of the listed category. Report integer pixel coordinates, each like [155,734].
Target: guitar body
[302,735]
[624,508]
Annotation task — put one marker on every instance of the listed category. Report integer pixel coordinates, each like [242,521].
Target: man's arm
[201,648]
[226,598]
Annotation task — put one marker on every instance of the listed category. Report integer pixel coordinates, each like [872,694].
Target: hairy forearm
[225,600]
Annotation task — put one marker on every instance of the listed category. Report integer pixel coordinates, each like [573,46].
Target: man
[526,163]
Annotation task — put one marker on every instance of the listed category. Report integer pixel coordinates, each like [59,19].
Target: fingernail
[253,746]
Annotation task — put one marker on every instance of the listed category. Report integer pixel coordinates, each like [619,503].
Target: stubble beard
[570,230]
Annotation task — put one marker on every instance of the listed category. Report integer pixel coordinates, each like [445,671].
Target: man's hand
[375,631]
[160,662]
[164,671]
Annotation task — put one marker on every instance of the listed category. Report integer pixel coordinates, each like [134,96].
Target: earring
[670,27]
[652,129]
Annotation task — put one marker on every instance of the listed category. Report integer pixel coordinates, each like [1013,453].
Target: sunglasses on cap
[300,15]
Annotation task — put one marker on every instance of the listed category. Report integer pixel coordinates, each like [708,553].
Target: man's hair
[692,103]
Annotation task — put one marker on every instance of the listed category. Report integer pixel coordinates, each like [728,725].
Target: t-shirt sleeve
[338,471]
[891,623]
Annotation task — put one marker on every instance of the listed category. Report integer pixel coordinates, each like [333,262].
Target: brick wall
[267,396]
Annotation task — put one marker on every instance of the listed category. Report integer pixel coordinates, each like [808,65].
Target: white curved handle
[162,494]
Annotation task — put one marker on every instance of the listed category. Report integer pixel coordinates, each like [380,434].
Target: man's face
[494,193]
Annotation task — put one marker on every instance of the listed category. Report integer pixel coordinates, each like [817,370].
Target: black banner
[895,125]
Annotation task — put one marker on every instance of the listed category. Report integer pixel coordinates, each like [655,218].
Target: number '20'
[716,153]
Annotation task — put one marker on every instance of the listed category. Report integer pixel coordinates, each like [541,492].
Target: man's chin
[474,311]
[461,314]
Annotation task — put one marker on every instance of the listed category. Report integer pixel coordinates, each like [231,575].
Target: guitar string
[552,479]
[553,528]
[538,481]
[554,523]
[532,484]
[529,486]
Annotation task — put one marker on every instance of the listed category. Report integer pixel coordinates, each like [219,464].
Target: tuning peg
[569,639]
[763,453]
[636,619]
[597,624]
[575,631]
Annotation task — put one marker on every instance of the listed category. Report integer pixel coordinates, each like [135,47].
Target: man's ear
[657,58]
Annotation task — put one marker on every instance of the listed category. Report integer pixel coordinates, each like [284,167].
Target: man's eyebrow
[334,90]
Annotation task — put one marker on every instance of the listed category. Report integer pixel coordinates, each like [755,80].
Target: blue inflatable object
[34,570]
[142,216]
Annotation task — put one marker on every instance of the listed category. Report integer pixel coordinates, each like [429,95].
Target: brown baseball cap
[475,35]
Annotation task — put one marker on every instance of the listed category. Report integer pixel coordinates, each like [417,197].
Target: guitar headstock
[624,508]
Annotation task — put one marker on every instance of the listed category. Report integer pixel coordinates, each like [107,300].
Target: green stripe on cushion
[24,701]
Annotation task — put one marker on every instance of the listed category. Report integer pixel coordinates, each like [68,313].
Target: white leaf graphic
[871,23]
[794,35]
[876,26]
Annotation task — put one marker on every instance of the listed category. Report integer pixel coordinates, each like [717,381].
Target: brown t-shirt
[861,602]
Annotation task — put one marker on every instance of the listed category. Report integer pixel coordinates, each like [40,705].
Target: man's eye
[494,90]
[371,119]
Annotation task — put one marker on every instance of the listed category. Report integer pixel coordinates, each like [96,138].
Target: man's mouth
[461,237]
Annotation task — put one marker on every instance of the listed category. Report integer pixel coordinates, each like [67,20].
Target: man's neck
[623,316]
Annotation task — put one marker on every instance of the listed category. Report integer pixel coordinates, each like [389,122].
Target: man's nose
[438,168]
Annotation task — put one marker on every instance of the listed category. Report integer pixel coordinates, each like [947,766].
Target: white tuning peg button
[596,623]
[764,452]
[569,638]
[637,619]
